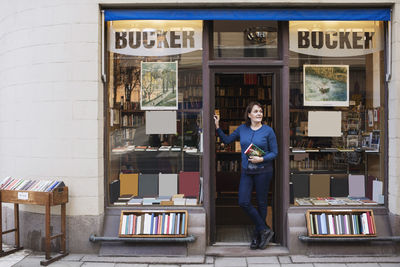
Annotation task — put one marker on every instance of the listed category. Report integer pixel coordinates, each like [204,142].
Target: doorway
[232,92]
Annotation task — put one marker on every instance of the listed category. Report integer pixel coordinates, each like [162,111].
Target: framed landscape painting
[159,86]
[326,85]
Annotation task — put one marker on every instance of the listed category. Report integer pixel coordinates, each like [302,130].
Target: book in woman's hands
[253,150]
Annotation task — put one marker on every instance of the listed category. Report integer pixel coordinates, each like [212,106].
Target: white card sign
[23,195]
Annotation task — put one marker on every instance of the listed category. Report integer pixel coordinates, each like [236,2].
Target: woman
[256,170]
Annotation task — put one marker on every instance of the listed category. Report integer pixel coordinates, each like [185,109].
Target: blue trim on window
[382,14]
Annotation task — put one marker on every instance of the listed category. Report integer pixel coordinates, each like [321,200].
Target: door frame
[276,83]
[278,66]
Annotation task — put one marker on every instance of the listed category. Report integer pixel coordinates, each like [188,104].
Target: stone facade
[51,102]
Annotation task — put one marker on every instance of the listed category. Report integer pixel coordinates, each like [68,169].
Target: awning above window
[382,14]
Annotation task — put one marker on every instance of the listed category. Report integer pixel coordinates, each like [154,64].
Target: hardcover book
[148,185]
[128,184]
[300,185]
[319,185]
[339,185]
[189,184]
[168,184]
[253,150]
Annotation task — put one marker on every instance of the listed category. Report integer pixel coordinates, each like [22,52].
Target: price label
[23,195]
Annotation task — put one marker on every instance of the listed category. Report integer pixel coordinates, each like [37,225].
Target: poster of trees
[159,86]
[326,85]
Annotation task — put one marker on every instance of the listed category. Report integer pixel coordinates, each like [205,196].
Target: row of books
[258,93]
[153,224]
[191,78]
[132,120]
[176,200]
[130,148]
[326,149]
[187,184]
[336,185]
[191,104]
[10,183]
[333,201]
[341,224]
[192,91]
[228,165]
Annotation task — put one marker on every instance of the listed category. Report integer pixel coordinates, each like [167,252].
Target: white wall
[51,100]
[51,97]
[394,116]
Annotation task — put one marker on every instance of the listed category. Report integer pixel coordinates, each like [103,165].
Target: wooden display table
[58,196]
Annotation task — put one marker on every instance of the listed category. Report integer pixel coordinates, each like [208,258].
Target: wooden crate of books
[35,192]
[153,223]
[341,223]
[56,197]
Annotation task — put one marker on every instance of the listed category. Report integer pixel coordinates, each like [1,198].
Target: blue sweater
[264,138]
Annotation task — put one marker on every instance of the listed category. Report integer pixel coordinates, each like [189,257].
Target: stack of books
[10,183]
[333,201]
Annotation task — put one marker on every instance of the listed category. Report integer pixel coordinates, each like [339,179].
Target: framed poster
[326,85]
[159,86]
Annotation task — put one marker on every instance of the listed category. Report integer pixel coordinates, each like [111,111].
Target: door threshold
[241,249]
[240,244]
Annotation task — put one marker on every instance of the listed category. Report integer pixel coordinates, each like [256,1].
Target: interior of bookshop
[155,130]
[337,128]
[233,92]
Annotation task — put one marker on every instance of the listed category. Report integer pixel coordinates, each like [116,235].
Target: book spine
[155,225]
[365,223]
[123,225]
[163,224]
[183,223]
[151,224]
[178,224]
[359,220]
[135,225]
[138,225]
[370,225]
[316,223]
[170,224]
[167,224]
[311,224]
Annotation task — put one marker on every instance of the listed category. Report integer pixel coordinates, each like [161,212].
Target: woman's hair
[248,111]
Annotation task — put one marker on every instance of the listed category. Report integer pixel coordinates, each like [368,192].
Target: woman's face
[256,114]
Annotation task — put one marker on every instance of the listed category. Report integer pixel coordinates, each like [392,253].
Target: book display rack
[153,223]
[352,147]
[58,196]
[137,137]
[341,223]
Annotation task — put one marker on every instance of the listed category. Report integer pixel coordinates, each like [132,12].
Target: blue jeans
[261,183]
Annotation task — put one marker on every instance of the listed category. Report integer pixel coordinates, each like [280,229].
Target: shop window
[337,115]
[241,39]
[154,113]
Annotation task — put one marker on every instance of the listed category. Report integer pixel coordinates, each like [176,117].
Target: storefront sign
[154,38]
[336,39]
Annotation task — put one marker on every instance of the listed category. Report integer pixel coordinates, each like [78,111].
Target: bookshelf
[58,196]
[233,93]
[341,223]
[153,223]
